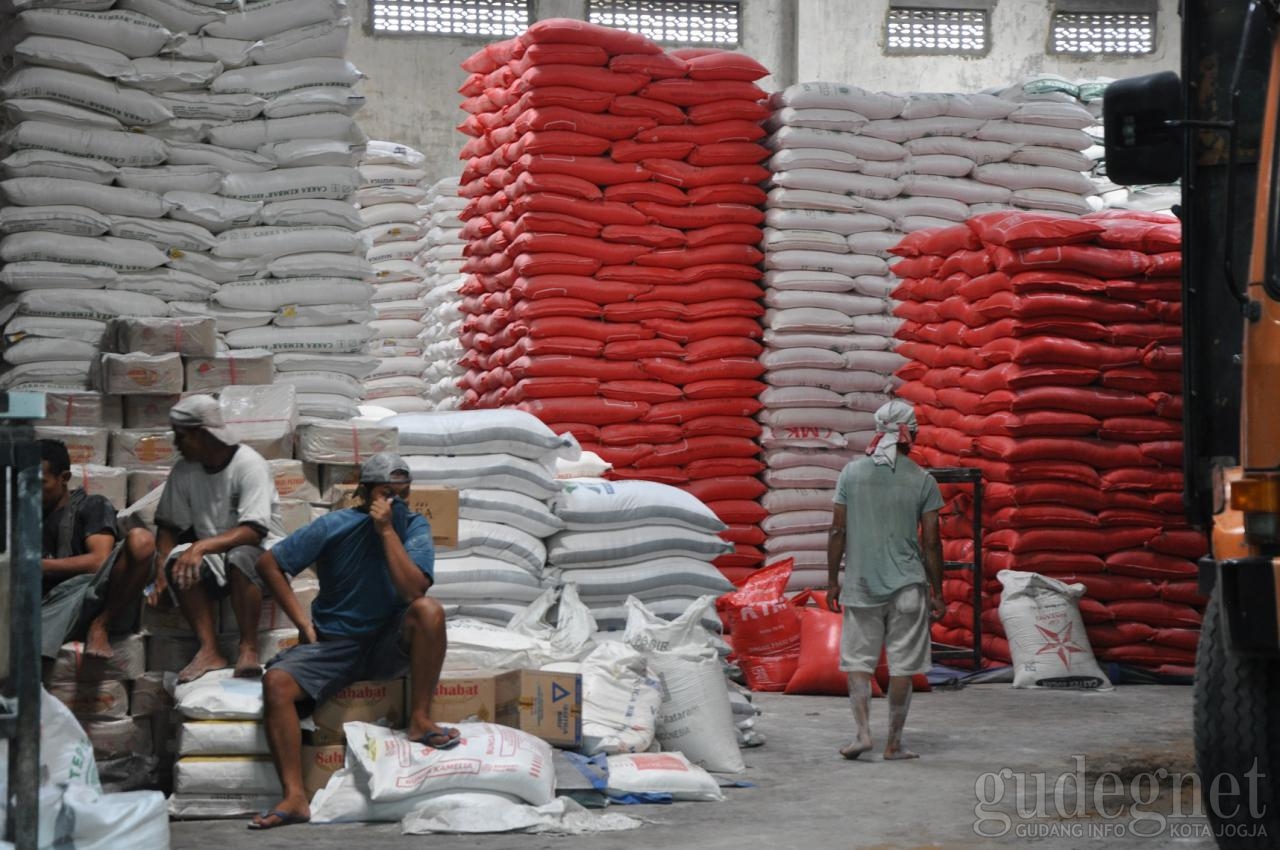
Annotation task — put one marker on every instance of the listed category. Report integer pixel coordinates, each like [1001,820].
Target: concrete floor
[806,796]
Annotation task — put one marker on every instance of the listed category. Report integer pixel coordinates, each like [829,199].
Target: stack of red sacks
[611,250]
[790,644]
[1046,352]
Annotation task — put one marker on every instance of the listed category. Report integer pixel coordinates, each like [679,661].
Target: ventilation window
[478,18]
[688,22]
[1106,32]
[925,28]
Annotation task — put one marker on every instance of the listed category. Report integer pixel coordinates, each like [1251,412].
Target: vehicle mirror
[1142,146]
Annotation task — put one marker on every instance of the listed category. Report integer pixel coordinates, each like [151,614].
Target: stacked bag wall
[1046,351]
[852,171]
[612,265]
[442,261]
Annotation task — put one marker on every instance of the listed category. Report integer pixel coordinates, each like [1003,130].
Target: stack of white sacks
[629,542]
[853,171]
[198,161]
[389,198]
[501,461]
[442,260]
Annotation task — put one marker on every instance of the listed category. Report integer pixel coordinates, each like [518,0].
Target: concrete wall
[412,81]
[843,41]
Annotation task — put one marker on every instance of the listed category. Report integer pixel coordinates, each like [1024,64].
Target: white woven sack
[841,120]
[1013,176]
[661,773]
[178,16]
[212,211]
[837,380]
[374,195]
[320,264]
[316,182]
[43,163]
[392,387]
[978,106]
[216,107]
[388,213]
[660,578]
[801,476]
[785,501]
[823,95]
[802,437]
[131,106]
[838,420]
[171,178]
[313,99]
[225,775]
[800,358]
[163,233]
[57,218]
[808,199]
[339,339]
[978,151]
[901,130]
[824,158]
[310,213]
[1071,116]
[224,738]
[310,152]
[64,374]
[862,147]
[849,304]
[589,504]
[252,135]
[844,223]
[272,80]
[514,509]
[788,458]
[90,331]
[270,17]
[620,546]
[956,188]
[495,471]
[1052,158]
[355,365]
[500,542]
[850,265]
[808,319]
[128,32]
[272,242]
[392,153]
[787,397]
[789,543]
[620,700]
[944,165]
[478,579]
[482,432]
[68,55]
[38,349]
[323,38]
[159,74]
[111,200]
[1047,637]
[118,254]
[1051,199]
[1033,134]
[336,383]
[935,207]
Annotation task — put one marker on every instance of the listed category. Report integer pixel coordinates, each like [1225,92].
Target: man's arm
[273,577]
[99,546]
[932,546]
[186,567]
[410,581]
[835,554]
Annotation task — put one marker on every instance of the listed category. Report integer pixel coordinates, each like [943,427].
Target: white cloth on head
[896,418]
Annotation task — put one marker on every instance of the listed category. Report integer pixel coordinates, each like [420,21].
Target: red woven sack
[1029,229]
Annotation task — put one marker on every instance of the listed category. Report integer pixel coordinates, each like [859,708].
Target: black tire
[1237,731]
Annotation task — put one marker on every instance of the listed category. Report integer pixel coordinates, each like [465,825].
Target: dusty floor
[806,796]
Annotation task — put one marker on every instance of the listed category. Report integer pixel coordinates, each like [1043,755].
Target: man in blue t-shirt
[371,620]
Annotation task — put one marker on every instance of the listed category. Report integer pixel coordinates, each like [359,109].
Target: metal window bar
[712,23]
[478,18]
[1122,34]
[937,31]
[973,478]
[20,545]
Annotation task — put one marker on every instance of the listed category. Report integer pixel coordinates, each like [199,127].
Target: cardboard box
[551,707]
[438,504]
[320,763]
[477,695]
[366,702]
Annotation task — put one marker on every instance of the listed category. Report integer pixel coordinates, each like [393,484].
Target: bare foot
[899,754]
[205,661]
[97,644]
[856,749]
[247,666]
[286,813]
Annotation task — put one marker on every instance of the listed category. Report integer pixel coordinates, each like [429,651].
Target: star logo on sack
[1060,644]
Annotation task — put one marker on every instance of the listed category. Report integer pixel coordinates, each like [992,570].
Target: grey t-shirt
[883,507]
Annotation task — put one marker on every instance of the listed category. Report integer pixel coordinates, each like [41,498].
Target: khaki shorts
[901,626]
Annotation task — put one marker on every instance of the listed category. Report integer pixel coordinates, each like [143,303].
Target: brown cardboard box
[477,695]
[551,706]
[319,763]
[438,504]
[366,702]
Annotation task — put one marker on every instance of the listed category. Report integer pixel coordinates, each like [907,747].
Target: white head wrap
[897,420]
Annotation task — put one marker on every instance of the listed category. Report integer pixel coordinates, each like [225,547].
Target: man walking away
[885,505]
[93,577]
[371,620]
[218,512]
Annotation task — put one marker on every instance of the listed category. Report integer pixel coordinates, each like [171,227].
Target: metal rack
[20,545]
[973,478]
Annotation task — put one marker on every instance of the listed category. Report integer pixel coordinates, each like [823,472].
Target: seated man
[218,512]
[371,620]
[93,575]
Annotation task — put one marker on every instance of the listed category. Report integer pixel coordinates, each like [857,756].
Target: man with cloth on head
[218,512]
[885,506]
[371,620]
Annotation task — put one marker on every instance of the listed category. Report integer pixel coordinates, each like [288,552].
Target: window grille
[686,22]
[478,18]
[935,30]
[1119,33]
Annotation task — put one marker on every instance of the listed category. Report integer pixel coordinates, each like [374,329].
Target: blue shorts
[333,662]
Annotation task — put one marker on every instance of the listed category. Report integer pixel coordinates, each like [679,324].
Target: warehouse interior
[627,289]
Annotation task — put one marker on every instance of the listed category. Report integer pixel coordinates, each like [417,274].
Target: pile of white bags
[852,172]
[390,195]
[501,461]
[442,262]
[636,539]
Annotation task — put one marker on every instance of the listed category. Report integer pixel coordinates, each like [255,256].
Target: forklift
[1214,128]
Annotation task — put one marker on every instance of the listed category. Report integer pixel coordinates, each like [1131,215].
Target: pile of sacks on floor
[612,260]
[1046,351]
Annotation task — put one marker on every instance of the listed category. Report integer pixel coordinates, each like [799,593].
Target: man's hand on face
[380,510]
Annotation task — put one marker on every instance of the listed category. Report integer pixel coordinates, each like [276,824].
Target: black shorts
[323,668]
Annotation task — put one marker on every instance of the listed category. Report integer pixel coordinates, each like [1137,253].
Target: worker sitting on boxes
[93,575]
[371,620]
[218,512]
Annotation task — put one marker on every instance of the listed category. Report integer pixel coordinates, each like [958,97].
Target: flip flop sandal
[284,819]
[442,740]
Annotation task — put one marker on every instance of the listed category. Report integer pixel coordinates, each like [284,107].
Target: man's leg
[907,650]
[899,705]
[860,700]
[246,601]
[425,631]
[281,695]
[129,576]
[197,607]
